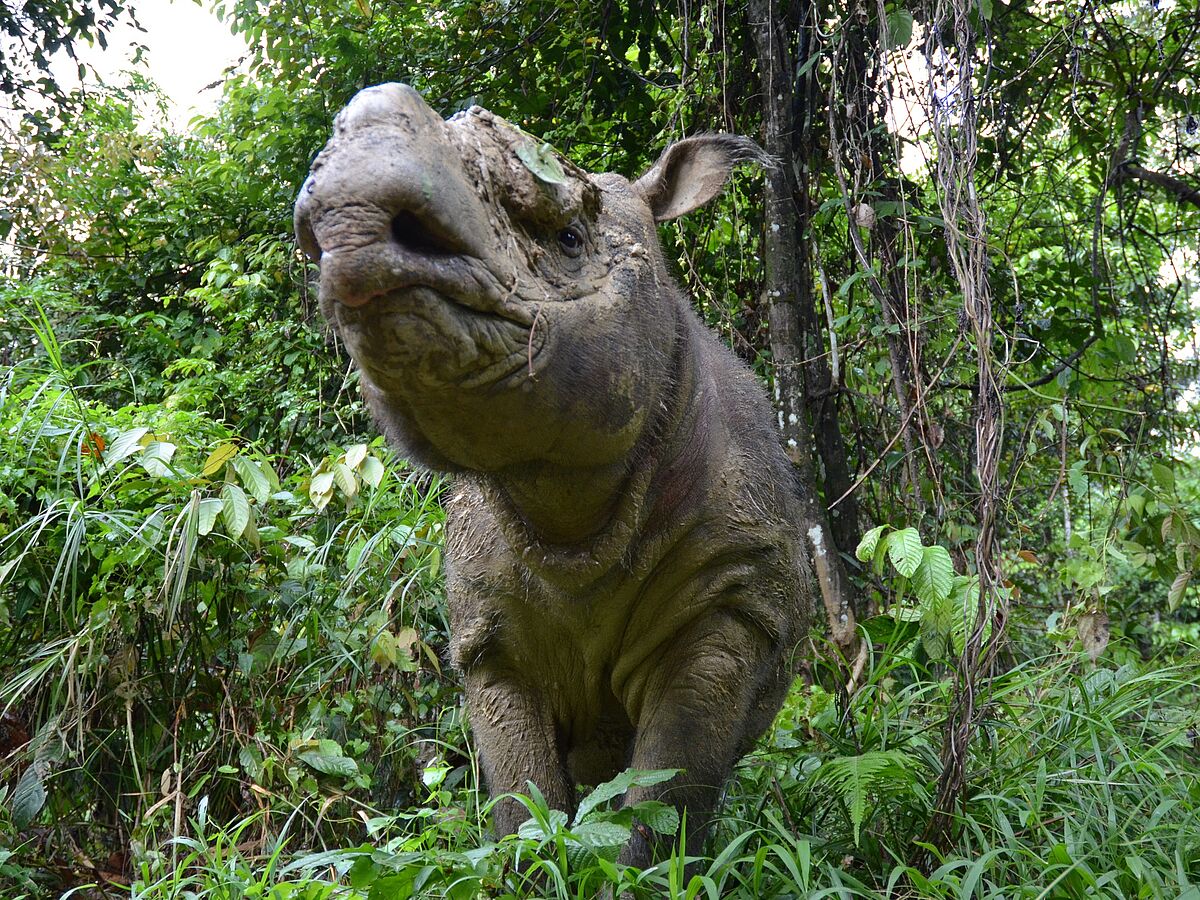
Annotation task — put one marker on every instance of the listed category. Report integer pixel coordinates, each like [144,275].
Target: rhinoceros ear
[693,171]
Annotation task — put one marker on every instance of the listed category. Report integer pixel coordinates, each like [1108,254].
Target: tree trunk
[790,305]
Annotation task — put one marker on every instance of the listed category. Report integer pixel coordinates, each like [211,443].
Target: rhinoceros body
[625,582]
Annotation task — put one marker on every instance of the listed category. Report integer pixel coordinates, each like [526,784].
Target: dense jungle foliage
[222,626]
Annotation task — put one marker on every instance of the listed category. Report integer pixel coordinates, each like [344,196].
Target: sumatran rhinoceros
[626,585]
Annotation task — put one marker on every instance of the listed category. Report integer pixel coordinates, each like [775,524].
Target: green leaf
[29,796]
[619,785]
[854,777]
[934,577]
[601,834]
[395,887]
[905,551]
[363,873]
[126,444]
[157,458]
[371,471]
[899,29]
[939,616]
[328,763]
[235,509]
[252,479]
[1178,588]
[870,540]
[206,515]
[1164,476]
[533,829]
[985,10]
[542,161]
[658,817]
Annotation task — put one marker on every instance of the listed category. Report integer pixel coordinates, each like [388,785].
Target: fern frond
[854,777]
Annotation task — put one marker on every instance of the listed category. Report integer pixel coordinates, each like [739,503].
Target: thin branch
[1183,191]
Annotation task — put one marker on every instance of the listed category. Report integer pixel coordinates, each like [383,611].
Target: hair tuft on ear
[690,172]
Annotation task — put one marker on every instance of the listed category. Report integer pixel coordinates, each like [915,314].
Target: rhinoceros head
[504,306]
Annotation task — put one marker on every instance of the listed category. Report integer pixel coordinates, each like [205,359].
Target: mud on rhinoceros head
[503,305]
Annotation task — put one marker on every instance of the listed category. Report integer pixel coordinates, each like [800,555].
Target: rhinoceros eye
[571,241]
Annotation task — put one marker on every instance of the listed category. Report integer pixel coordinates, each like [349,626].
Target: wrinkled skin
[624,580]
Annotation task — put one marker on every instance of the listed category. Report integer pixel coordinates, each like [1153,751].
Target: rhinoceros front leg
[516,739]
[707,699]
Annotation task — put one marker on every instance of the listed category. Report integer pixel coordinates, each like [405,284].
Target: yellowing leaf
[1093,632]
[384,651]
[371,471]
[320,491]
[217,459]
[1178,587]
[407,639]
[355,455]
[343,477]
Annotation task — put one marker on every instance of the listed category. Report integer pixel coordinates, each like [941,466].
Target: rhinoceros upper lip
[356,276]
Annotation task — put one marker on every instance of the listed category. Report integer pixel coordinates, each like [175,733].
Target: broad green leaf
[533,830]
[629,778]
[1178,587]
[939,619]
[658,817]
[601,834]
[235,509]
[330,763]
[935,575]
[363,873]
[217,459]
[29,795]
[126,444]
[899,29]
[157,458]
[905,551]
[206,514]
[253,479]
[866,547]
[1164,476]
[542,161]
[371,471]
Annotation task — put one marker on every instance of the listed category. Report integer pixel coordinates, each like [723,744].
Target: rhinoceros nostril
[413,234]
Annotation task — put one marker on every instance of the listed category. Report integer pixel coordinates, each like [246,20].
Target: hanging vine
[952,52]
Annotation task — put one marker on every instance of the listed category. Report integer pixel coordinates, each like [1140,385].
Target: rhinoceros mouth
[364,277]
[423,332]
